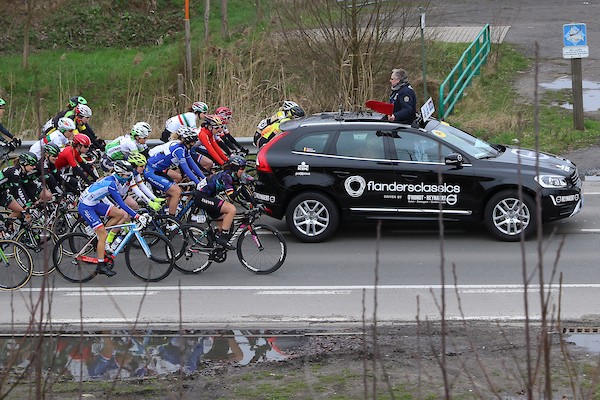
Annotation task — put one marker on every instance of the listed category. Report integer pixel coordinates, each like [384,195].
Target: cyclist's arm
[136,188]
[114,194]
[189,167]
[5,132]
[204,138]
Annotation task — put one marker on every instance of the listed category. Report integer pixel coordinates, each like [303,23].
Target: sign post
[576,48]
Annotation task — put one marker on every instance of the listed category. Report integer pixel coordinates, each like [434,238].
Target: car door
[361,168]
[425,186]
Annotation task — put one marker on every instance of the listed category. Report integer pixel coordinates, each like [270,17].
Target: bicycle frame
[134,229]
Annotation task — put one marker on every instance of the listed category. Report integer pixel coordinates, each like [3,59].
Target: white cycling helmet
[187,134]
[65,124]
[288,105]
[83,111]
[141,129]
[199,107]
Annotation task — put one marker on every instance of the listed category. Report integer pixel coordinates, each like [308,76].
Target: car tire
[312,217]
[507,217]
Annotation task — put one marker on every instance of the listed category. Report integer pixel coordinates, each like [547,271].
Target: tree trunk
[224,23]
[26,28]
[206,20]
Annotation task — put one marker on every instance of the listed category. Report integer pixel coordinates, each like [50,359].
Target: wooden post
[180,92]
[577,85]
[188,42]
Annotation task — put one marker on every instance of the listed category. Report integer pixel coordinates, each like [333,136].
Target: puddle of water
[121,354]
[591,93]
[590,342]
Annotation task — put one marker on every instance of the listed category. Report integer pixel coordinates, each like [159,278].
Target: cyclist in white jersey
[190,119]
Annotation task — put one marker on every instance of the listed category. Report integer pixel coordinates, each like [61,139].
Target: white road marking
[339,289]
[590,230]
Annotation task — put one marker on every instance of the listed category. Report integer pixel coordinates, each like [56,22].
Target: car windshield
[465,142]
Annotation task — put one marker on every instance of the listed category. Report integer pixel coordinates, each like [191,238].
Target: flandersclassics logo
[356,185]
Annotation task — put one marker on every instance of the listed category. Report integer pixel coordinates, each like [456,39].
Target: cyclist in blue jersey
[175,153]
[92,207]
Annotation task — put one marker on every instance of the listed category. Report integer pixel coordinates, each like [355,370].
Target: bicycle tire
[66,222]
[154,268]
[267,259]
[64,259]
[16,265]
[170,227]
[39,241]
[195,257]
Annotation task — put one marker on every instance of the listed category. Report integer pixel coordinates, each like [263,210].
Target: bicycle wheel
[151,268]
[170,227]
[16,265]
[66,222]
[67,253]
[195,256]
[261,249]
[40,242]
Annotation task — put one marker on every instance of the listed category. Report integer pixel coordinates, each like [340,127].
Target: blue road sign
[574,35]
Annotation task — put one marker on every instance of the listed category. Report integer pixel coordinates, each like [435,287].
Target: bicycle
[263,254]
[16,265]
[71,255]
[39,241]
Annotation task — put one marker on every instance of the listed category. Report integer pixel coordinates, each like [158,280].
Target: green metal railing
[469,65]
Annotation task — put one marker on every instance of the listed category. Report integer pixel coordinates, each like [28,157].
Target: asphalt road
[332,281]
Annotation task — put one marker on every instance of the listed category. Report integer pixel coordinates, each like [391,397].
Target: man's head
[399,76]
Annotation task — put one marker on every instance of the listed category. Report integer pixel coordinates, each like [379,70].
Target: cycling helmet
[236,162]
[51,149]
[288,105]
[141,130]
[199,107]
[82,139]
[73,101]
[225,113]
[187,134]
[137,159]
[65,124]
[296,112]
[213,121]
[28,158]
[2,103]
[123,170]
[83,111]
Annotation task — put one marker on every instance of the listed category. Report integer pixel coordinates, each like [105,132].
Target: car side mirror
[453,159]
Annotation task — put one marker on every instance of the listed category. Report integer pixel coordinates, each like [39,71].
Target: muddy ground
[483,360]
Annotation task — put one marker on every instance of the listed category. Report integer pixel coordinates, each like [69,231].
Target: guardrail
[244,141]
[462,74]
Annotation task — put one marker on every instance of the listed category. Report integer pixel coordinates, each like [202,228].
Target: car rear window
[312,143]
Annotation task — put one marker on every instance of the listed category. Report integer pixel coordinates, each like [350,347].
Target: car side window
[312,143]
[413,147]
[360,144]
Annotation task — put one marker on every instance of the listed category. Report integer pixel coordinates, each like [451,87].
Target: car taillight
[262,164]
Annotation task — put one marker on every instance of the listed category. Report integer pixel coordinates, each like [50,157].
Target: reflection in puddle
[119,354]
[590,342]
[591,93]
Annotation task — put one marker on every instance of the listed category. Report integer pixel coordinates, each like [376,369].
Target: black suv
[326,167]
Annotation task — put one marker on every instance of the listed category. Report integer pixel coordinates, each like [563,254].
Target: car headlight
[551,181]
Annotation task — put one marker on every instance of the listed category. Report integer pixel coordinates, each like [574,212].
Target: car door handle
[341,173]
[409,177]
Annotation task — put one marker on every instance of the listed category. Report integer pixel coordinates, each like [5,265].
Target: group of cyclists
[197,147]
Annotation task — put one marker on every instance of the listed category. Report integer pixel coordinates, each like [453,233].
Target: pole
[577,85]
[423,57]
[188,41]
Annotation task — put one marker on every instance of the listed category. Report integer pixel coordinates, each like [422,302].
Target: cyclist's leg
[90,215]
[166,185]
